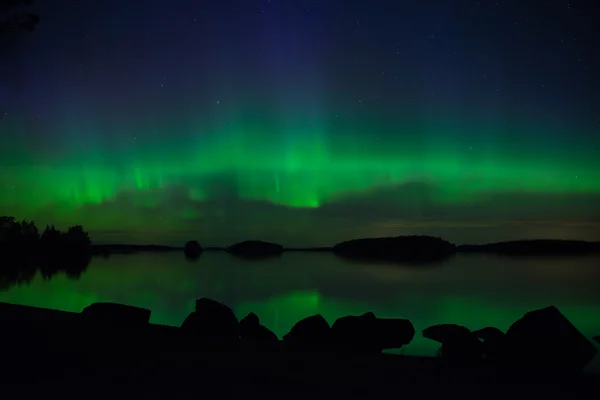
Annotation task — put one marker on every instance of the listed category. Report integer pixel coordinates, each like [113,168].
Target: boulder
[367,333]
[545,338]
[212,319]
[117,315]
[248,322]
[393,333]
[309,334]
[493,341]
[596,339]
[257,336]
[192,249]
[355,333]
[458,342]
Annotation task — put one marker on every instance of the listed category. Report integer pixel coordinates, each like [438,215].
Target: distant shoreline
[99,249]
[517,247]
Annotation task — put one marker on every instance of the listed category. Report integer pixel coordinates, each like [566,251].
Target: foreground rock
[192,249]
[256,336]
[545,338]
[311,333]
[355,333]
[401,248]
[367,333]
[458,342]
[494,341]
[213,321]
[255,249]
[117,315]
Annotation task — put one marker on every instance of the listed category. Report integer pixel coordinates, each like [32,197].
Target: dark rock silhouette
[537,247]
[401,248]
[118,315]
[256,335]
[367,333]
[596,339]
[545,338]
[393,333]
[458,342]
[249,320]
[355,333]
[192,249]
[212,320]
[493,342]
[110,352]
[311,333]
[255,249]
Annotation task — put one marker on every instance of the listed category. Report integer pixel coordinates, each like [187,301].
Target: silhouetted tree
[50,241]
[23,250]
[18,247]
[6,229]
[77,237]
[16,15]
[14,235]
[29,233]
[76,251]
[50,235]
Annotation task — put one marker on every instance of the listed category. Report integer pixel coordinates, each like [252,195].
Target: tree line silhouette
[16,15]
[24,251]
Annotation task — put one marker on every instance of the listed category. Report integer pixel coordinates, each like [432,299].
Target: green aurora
[298,133]
[306,173]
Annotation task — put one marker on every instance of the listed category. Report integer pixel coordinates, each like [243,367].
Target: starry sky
[304,122]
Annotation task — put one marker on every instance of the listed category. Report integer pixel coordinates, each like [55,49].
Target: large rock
[493,342]
[393,333]
[213,320]
[597,339]
[367,333]
[545,338]
[255,335]
[117,315]
[458,342]
[249,322]
[355,333]
[192,249]
[311,333]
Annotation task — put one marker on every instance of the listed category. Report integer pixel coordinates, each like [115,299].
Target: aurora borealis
[304,122]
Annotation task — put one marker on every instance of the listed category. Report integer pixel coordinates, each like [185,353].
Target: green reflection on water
[474,291]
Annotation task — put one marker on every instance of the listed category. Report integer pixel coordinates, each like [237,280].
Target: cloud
[172,216]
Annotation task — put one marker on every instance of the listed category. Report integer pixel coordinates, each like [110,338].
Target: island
[192,249]
[534,247]
[400,248]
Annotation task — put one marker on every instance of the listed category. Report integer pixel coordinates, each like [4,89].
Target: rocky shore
[112,347]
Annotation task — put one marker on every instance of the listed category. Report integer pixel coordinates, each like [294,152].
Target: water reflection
[472,290]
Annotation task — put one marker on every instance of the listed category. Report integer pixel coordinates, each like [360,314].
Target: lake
[475,290]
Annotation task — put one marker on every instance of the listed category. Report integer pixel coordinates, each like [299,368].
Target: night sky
[304,122]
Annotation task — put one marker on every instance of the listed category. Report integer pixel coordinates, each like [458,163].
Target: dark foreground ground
[56,356]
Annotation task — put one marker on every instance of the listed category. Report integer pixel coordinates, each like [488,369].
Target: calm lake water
[471,290]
